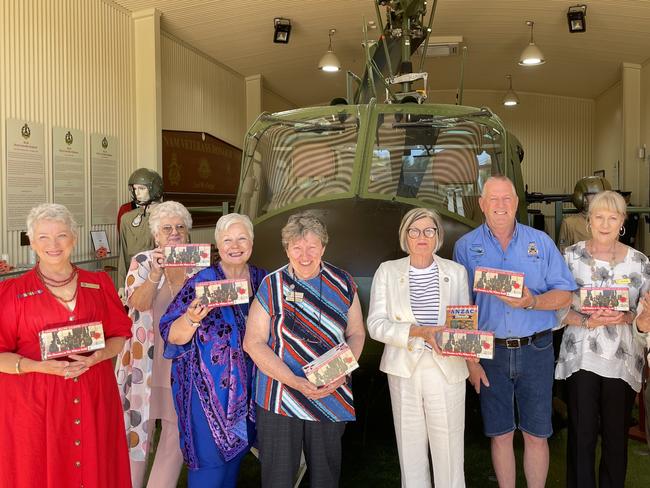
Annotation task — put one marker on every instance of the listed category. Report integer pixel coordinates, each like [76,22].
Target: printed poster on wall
[103,179]
[25,156]
[68,171]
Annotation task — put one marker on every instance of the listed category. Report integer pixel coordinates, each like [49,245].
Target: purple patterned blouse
[214,369]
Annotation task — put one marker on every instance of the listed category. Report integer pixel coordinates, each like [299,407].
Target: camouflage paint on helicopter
[363,167]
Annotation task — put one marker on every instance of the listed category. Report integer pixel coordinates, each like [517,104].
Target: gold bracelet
[18,370]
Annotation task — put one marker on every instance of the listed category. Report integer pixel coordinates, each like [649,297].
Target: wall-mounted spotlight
[282,30]
[576,18]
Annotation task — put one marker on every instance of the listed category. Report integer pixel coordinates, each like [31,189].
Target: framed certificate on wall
[100,239]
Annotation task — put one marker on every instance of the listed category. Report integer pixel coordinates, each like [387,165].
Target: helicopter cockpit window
[297,161]
[443,163]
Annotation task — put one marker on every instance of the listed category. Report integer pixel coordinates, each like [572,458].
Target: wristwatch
[196,325]
[532,304]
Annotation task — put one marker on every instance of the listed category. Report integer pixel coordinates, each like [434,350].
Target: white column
[148,102]
[254,97]
[632,167]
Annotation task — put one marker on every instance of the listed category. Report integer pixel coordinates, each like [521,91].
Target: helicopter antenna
[426,40]
[459,94]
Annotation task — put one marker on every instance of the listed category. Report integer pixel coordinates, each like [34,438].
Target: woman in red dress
[60,420]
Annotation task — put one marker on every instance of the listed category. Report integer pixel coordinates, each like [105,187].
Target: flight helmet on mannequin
[586,188]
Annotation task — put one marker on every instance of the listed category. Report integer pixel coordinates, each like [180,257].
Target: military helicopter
[363,164]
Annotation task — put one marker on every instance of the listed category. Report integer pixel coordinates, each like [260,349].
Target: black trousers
[597,405]
[282,439]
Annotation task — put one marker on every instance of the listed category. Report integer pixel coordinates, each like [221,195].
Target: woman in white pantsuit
[407,307]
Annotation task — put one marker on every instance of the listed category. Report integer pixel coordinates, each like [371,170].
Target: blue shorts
[521,378]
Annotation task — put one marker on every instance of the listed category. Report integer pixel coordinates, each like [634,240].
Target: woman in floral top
[599,357]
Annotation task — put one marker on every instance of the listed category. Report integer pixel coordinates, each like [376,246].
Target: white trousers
[429,414]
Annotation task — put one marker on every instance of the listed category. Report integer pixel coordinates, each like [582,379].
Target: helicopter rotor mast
[402,34]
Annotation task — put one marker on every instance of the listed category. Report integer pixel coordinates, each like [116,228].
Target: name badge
[623,281]
[294,296]
[83,284]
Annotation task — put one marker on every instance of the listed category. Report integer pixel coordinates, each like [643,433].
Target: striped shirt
[424,286]
[302,330]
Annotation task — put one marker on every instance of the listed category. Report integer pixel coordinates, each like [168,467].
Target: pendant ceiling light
[510,99]
[329,62]
[531,55]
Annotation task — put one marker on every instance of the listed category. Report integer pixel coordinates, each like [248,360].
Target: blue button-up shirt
[531,252]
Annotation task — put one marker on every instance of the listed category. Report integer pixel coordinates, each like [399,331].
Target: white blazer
[390,317]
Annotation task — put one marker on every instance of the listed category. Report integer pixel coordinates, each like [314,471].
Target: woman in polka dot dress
[143,375]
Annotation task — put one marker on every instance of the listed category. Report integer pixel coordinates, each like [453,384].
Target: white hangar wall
[70,63]
[200,94]
[67,63]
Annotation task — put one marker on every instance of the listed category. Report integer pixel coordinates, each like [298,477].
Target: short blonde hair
[51,211]
[608,200]
[225,221]
[300,224]
[417,214]
[166,210]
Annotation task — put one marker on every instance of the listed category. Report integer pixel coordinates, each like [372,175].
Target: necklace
[51,282]
[601,275]
[611,251]
[308,335]
[64,300]
[169,283]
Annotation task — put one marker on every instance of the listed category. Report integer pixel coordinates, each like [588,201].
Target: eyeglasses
[429,232]
[167,229]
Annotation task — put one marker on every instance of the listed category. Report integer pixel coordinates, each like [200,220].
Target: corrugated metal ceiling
[239,35]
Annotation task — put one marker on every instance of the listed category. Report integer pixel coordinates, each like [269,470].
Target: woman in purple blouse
[211,374]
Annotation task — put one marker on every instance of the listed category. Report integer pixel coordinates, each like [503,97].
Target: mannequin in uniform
[574,226]
[146,187]
[127,207]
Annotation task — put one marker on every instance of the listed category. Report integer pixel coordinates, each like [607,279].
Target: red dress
[56,432]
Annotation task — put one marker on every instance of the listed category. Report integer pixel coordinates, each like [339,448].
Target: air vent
[440,47]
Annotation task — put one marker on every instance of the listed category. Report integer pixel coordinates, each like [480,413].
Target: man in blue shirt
[521,372]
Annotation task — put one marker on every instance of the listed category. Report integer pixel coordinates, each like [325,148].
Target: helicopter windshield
[295,161]
[439,161]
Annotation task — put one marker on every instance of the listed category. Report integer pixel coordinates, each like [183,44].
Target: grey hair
[51,211]
[166,210]
[501,178]
[417,214]
[225,221]
[608,200]
[300,224]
